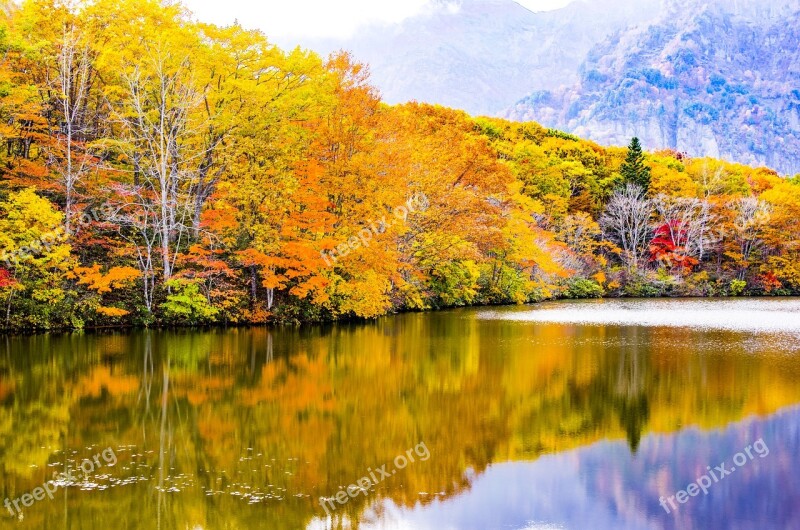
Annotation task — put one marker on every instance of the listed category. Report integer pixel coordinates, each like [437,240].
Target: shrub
[642,286]
[583,288]
[187,304]
[737,287]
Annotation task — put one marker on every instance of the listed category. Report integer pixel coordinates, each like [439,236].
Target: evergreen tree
[633,170]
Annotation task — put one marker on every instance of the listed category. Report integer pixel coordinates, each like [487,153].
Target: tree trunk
[253,285]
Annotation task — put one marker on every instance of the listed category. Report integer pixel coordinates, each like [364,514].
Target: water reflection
[528,423]
[605,486]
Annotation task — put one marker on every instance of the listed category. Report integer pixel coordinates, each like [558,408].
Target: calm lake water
[575,415]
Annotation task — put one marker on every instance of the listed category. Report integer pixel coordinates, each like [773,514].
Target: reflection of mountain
[280,418]
[603,486]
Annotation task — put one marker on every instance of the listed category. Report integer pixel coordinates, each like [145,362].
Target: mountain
[484,55]
[711,78]
[717,78]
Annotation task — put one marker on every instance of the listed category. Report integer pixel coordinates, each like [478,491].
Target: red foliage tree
[5,279]
[666,248]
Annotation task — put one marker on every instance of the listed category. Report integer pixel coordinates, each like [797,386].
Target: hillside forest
[156,170]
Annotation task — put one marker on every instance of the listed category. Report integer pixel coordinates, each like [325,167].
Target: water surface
[560,415]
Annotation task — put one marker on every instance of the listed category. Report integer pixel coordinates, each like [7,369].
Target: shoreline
[355,320]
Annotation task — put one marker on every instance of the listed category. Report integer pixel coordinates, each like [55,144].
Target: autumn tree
[36,257]
[626,222]
[752,218]
[683,231]
[270,208]
[73,78]
[782,234]
[100,283]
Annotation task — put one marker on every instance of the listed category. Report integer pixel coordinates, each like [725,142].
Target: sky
[311,19]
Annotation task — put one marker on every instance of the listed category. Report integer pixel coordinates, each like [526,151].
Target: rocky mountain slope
[718,79]
[484,55]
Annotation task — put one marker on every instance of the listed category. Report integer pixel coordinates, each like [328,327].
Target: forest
[155,170]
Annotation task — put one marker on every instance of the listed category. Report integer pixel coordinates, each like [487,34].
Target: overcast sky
[308,19]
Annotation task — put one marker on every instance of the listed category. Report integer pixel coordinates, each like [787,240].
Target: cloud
[305,18]
[312,19]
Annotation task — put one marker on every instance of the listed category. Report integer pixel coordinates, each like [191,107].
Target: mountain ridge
[480,56]
[709,77]
[714,83]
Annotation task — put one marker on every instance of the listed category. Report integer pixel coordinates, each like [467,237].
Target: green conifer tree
[633,170]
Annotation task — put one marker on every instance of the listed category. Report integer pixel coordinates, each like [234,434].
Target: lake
[608,414]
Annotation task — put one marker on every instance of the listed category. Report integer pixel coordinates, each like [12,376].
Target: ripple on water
[760,316]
